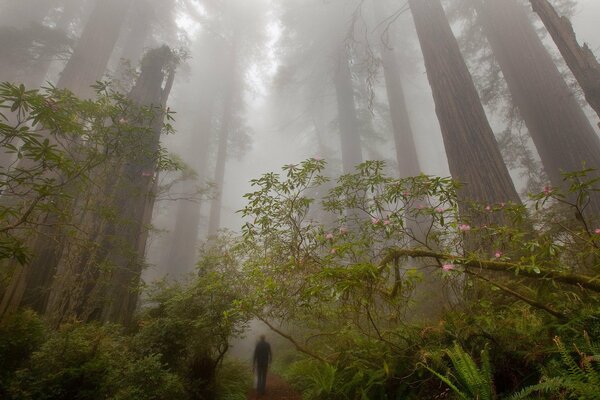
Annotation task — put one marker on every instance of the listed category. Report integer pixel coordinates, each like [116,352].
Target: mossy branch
[583,281]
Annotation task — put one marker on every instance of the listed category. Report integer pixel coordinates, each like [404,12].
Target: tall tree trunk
[137,37]
[230,96]
[30,284]
[94,48]
[72,9]
[406,151]
[101,283]
[580,59]
[472,150]
[183,251]
[559,128]
[348,122]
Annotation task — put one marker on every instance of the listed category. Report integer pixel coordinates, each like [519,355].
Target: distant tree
[404,141]
[241,32]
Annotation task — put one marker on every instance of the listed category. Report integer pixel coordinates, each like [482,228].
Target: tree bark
[473,155]
[102,283]
[580,59]
[348,122]
[30,285]
[94,47]
[559,128]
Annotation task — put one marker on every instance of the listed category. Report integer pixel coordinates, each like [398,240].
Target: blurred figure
[262,359]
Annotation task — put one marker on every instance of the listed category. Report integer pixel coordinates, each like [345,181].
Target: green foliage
[190,324]
[20,335]
[574,375]
[233,381]
[466,379]
[90,362]
[315,379]
[344,263]
[54,145]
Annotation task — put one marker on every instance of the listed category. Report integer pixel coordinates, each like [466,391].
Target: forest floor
[277,389]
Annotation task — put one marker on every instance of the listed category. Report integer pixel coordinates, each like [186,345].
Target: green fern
[466,379]
[577,379]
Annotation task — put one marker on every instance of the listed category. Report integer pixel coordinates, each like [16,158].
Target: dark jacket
[262,354]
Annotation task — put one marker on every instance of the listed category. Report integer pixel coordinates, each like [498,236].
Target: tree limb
[586,282]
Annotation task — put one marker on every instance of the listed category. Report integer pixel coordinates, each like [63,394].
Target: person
[261,361]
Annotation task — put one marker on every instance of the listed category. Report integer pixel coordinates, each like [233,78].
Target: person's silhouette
[262,359]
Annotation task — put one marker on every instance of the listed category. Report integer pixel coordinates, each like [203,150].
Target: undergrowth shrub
[233,381]
[20,335]
[316,380]
[89,362]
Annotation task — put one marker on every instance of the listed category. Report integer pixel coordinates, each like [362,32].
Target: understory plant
[380,277]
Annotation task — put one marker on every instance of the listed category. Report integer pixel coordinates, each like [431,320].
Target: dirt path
[277,389]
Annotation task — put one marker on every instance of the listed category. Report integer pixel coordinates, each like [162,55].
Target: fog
[281,93]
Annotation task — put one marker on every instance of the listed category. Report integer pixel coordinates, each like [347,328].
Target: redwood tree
[559,128]
[473,154]
[580,59]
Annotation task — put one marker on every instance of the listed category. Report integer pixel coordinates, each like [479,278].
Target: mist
[378,187]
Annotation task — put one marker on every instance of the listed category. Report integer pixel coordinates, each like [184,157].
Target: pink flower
[464,228]
[343,230]
[147,173]
[448,267]
[386,222]
[375,221]
[406,194]
[547,190]
[498,254]
[317,158]
[440,209]
[333,251]
[502,205]
[488,208]
[597,231]
[329,236]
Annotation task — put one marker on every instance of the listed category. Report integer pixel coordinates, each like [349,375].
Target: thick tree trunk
[580,59]
[473,155]
[559,128]
[348,122]
[30,284]
[100,282]
[137,203]
[137,37]
[94,48]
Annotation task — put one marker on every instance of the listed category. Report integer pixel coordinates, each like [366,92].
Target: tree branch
[297,345]
[586,282]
